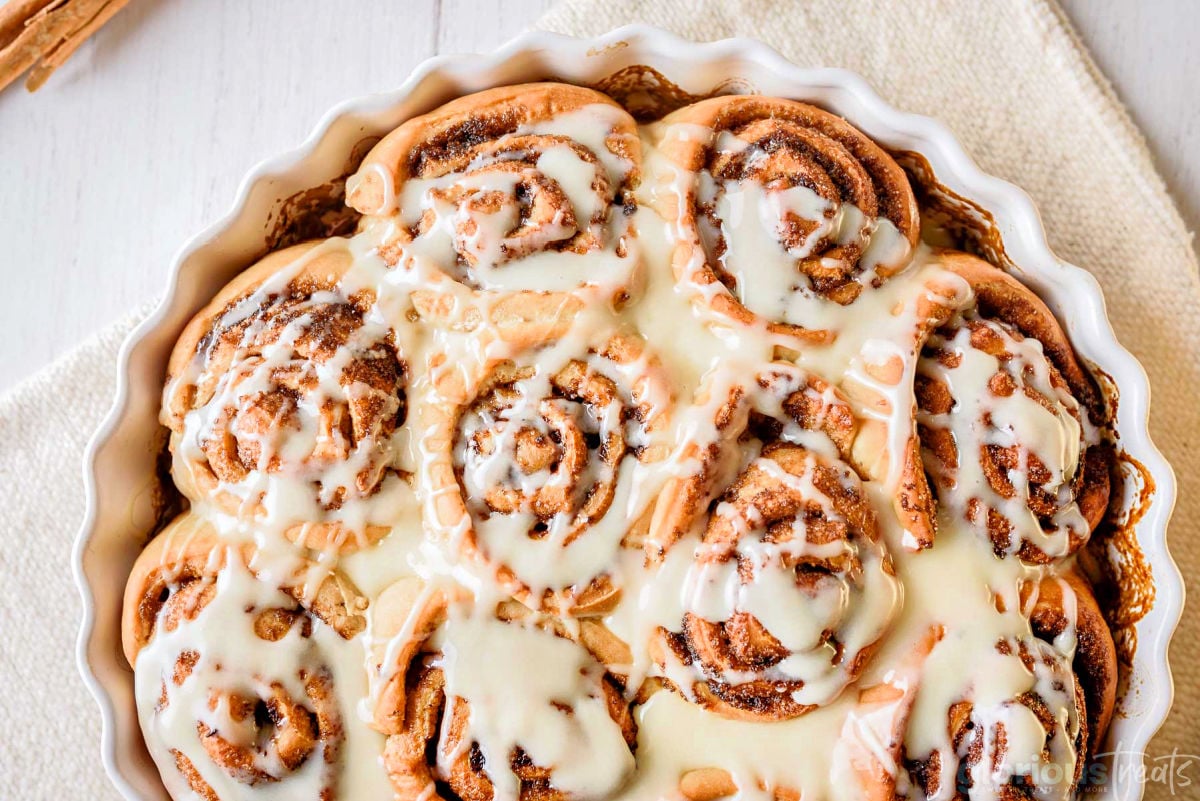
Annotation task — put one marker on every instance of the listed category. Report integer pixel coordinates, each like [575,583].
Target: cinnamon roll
[1066,614]
[1009,422]
[510,208]
[465,716]
[788,403]
[234,670]
[284,396]
[785,213]
[533,467]
[791,586]
[1035,743]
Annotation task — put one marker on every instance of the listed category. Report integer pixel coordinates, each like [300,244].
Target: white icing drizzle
[759,579]
[746,226]
[304,466]
[233,660]
[571,550]
[969,666]
[1051,427]
[513,675]
[495,224]
[761,265]
[510,711]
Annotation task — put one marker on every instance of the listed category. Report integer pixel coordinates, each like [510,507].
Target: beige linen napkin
[51,740]
[1012,82]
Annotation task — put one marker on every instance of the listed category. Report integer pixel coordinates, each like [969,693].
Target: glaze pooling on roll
[1028,458]
[1010,446]
[593,466]
[536,463]
[790,586]
[789,211]
[249,672]
[1030,745]
[463,712]
[788,594]
[544,189]
[284,400]
[525,190]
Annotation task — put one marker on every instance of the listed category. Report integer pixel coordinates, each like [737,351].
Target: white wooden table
[142,138]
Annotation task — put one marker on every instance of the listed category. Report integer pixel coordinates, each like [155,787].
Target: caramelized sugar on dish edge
[609,460]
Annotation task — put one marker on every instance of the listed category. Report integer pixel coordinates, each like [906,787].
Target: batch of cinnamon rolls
[620,461]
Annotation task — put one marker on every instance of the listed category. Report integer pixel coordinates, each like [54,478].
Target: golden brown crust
[189,553]
[975,735]
[1005,308]
[439,142]
[805,400]
[743,645]
[474,423]
[224,343]
[421,720]
[814,405]
[1000,296]
[1095,662]
[478,135]
[736,656]
[269,732]
[792,144]
[1057,605]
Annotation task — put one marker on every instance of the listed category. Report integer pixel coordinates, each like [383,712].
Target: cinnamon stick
[40,35]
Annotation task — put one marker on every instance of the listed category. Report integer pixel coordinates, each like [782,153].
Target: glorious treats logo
[1178,773]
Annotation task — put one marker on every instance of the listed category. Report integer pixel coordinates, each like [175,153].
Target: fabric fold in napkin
[1007,76]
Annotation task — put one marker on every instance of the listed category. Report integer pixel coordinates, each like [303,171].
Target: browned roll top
[267,731]
[258,363]
[557,458]
[1004,316]
[430,750]
[777,145]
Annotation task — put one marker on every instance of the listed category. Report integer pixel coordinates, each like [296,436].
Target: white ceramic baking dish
[120,467]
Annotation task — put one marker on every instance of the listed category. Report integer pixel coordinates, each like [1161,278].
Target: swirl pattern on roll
[236,689]
[782,206]
[1008,421]
[459,730]
[284,390]
[791,587]
[1034,744]
[533,468]
[522,193]
[672,462]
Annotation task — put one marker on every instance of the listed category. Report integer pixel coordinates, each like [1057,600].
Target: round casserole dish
[644,66]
